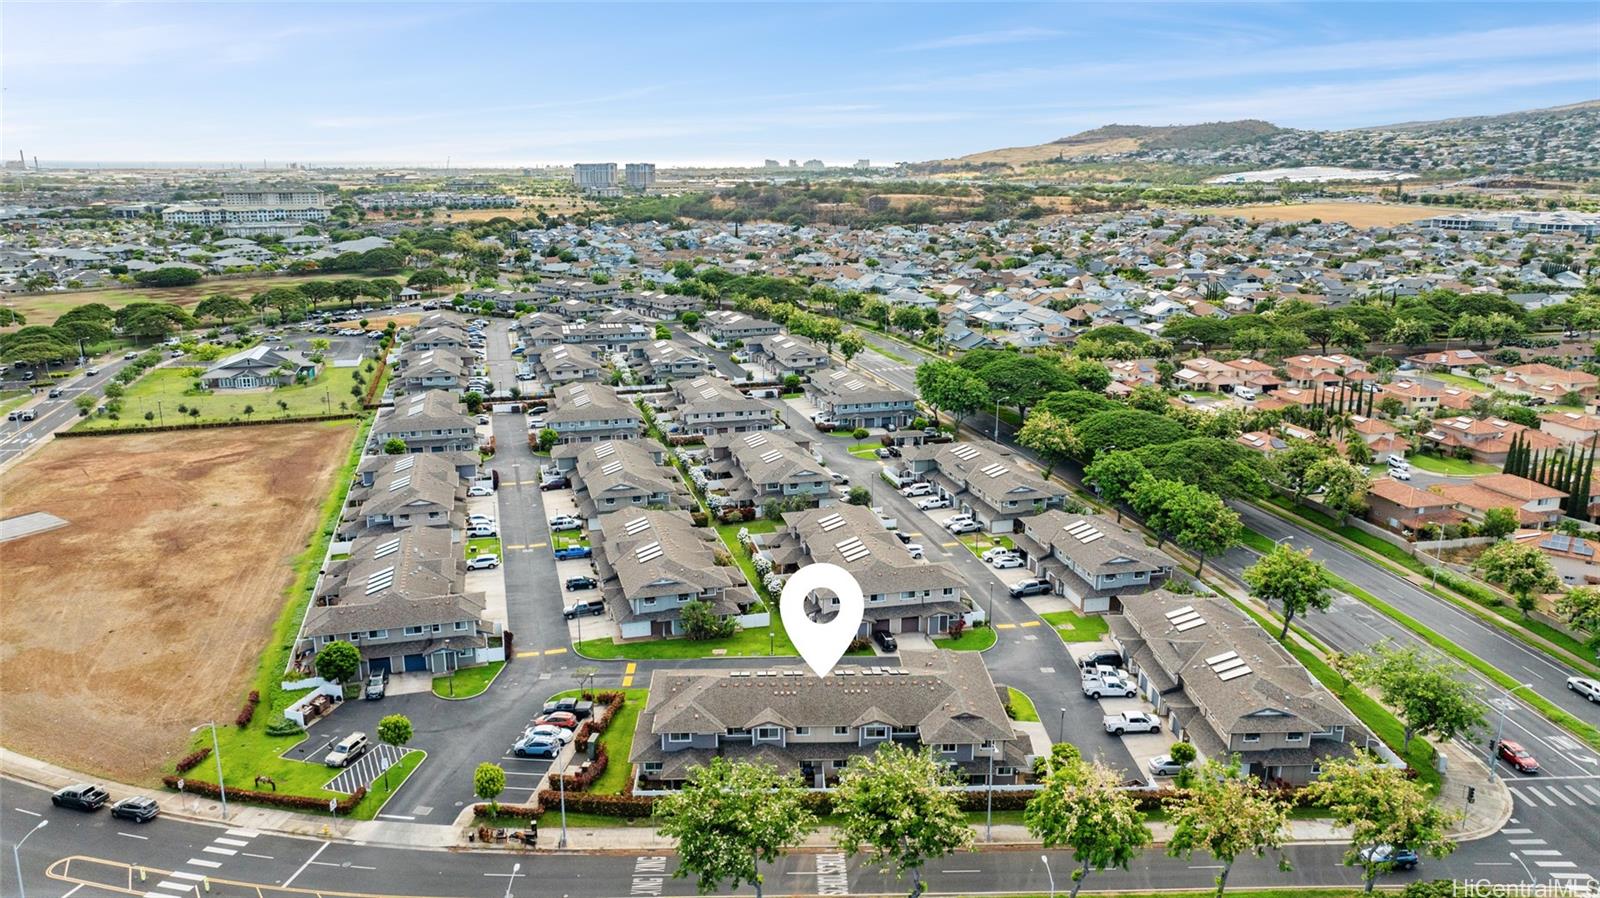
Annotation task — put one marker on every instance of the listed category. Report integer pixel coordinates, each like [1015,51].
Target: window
[680,737]
[841,731]
[1005,771]
[413,631]
[377,634]
[802,731]
[946,748]
[875,732]
[434,628]
[1294,737]
[650,600]
[354,636]
[461,625]
[652,767]
[769,732]
[1252,737]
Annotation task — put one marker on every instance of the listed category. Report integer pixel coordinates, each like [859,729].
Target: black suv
[139,809]
[582,583]
[83,796]
[885,640]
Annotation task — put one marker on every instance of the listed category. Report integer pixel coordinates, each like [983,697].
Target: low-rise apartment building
[619,475]
[660,361]
[418,371]
[592,413]
[726,326]
[850,400]
[652,563]
[1091,560]
[557,365]
[405,491]
[434,421]
[711,405]
[785,354]
[983,480]
[943,702]
[747,469]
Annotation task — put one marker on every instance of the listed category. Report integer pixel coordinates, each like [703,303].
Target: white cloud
[984,39]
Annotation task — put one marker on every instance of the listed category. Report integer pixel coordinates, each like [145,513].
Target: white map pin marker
[822,644]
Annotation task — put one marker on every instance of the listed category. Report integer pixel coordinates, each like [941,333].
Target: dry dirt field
[146,614]
[44,308]
[379,322]
[1360,215]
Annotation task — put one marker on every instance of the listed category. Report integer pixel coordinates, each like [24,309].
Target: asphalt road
[18,437]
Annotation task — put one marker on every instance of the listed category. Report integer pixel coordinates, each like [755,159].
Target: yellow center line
[632,666]
[949,545]
[1031,623]
[535,545]
[527,654]
[627,681]
[555,651]
[1005,626]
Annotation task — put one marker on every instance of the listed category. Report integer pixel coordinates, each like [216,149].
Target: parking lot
[1140,746]
[366,768]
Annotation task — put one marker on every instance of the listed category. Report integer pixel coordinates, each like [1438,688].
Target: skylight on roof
[831,522]
[637,526]
[995,469]
[852,549]
[756,440]
[386,549]
[605,451]
[381,580]
[400,483]
[771,455]
[611,467]
[649,552]
[965,453]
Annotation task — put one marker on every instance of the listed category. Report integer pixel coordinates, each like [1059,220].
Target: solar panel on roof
[406,464]
[831,522]
[995,470]
[852,549]
[1215,659]
[965,453]
[771,455]
[580,402]
[708,393]
[1234,674]
[637,526]
[1228,665]
[755,440]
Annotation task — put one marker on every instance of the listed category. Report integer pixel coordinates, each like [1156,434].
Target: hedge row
[192,760]
[248,712]
[370,400]
[482,811]
[607,704]
[276,799]
[235,422]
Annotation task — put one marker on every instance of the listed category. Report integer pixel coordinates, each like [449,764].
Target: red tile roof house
[1207,375]
[1536,505]
[1573,557]
[1487,440]
[1456,399]
[1327,370]
[1539,379]
[1448,359]
[1262,442]
[1414,396]
[1571,428]
[1404,509]
[1255,373]
[1381,437]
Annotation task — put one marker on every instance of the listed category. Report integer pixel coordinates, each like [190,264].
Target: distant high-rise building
[793,164]
[863,163]
[641,175]
[772,163]
[595,175]
[814,165]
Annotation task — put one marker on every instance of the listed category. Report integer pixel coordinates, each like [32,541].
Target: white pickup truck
[1131,722]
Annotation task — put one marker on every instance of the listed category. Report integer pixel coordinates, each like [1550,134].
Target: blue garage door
[416,663]
[379,665]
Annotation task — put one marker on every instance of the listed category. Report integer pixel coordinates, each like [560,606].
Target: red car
[1518,757]
[564,719]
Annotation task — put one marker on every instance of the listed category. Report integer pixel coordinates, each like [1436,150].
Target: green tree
[1082,806]
[1380,807]
[899,808]
[474,401]
[1126,429]
[1291,578]
[1183,754]
[395,730]
[1050,436]
[488,781]
[10,317]
[547,439]
[1580,607]
[851,344]
[1114,475]
[1293,464]
[1343,485]
[338,661]
[1431,697]
[1498,523]
[221,307]
[394,446]
[1522,569]
[701,621]
[1409,331]
[1206,526]
[860,495]
[729,819]
[948,387]
[1157,501]
[1226,814]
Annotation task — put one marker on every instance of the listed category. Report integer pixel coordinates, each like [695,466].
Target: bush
[275,799]
[248,712]
[859,433]
[484,811]
[192,760]
[284,727]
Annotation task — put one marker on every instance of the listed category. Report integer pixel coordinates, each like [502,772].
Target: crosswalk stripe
[1005,626]
[1555,865]
[1594,789]
[243,833]
[1542,852]
[555,651]
[201,862]
[632,667]
[1029,623]
[236,843]
[1515,832]
[1527,841]
[1581,797]
[225,852]
[175,886]
[185,874]
[1556,791]
[529,654]
[1534,791]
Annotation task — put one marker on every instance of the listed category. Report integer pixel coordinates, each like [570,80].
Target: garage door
[416,663]
[379,665]
[909,625]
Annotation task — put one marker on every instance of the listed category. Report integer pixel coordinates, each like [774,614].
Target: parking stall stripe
[185,874]
[560,651]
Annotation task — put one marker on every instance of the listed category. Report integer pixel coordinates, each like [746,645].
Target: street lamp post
[1279,542]
[1061,728]
[1046,859]
[997,419]
[16,855]
[512,879]
[216,751]
[1500,731]
[988,811]
[561,781]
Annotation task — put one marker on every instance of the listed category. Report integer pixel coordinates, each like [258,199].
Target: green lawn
[250,753]
[981,542]
[467,682]
[618,740]
[1466,383]
[972,639]
[1454,467]
[1022,706]
[730,538]
[867,450]
[483,545]
[161,391]
[560,539]
[1074,627]
[10,399]
[744,643]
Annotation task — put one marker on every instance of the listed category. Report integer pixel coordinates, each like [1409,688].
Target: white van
[1396,461]
[1245,393]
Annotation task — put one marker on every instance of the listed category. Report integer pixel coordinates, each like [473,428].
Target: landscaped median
[1020,706]
[972,639]
[468,682]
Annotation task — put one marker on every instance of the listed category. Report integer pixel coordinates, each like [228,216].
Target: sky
[736,83]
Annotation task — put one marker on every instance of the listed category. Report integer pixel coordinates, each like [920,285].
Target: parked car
[565,522]
[1163,765]
[885,640]
[82,796]
[993,552]
[1396,858]
[894,451]
[571,552]
[554,483]
[92,371]
[958,518]
[482,531]
[348,750]
[916,550]
[917,489]
[591,607]
[1400,473]
[839,478]
[929,503]
[563,719]
[479,520]
[1030,588]
[139,809]
[480,489]
[1101,658]
[964,527]
[881,452]
[548,731]
[1589,689]
[377,684]
[535,747]
[1514,754]
[486,562]
[576,583]
[1102,685]
[130,355]
[1131,722]
[578,707]
[1006,562]
[483,419]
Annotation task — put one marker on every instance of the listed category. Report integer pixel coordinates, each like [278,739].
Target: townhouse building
[620,475]
[659,361]
[1225,685]
[849,400]
[785,354]
[943,702]
[1326,372]
[405,491]
[660,305]
[726,326]
[711,405]
[984,480]
[417,371]
[747,469]
[592,413]
[558,365]
[1091,560]
[432,421]
[1486,441]
[1415,398]
[903,594]
[652,563]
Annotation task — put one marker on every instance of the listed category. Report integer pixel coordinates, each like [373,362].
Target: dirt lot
[44,308]
[1360,215]
[146,614]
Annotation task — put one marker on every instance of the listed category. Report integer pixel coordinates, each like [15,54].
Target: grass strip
[972,639]
[1074,627]
[1022,708]
[467,682]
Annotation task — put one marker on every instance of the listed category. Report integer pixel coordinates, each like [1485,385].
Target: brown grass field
[44,308]
[1359,215]
[147,613]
